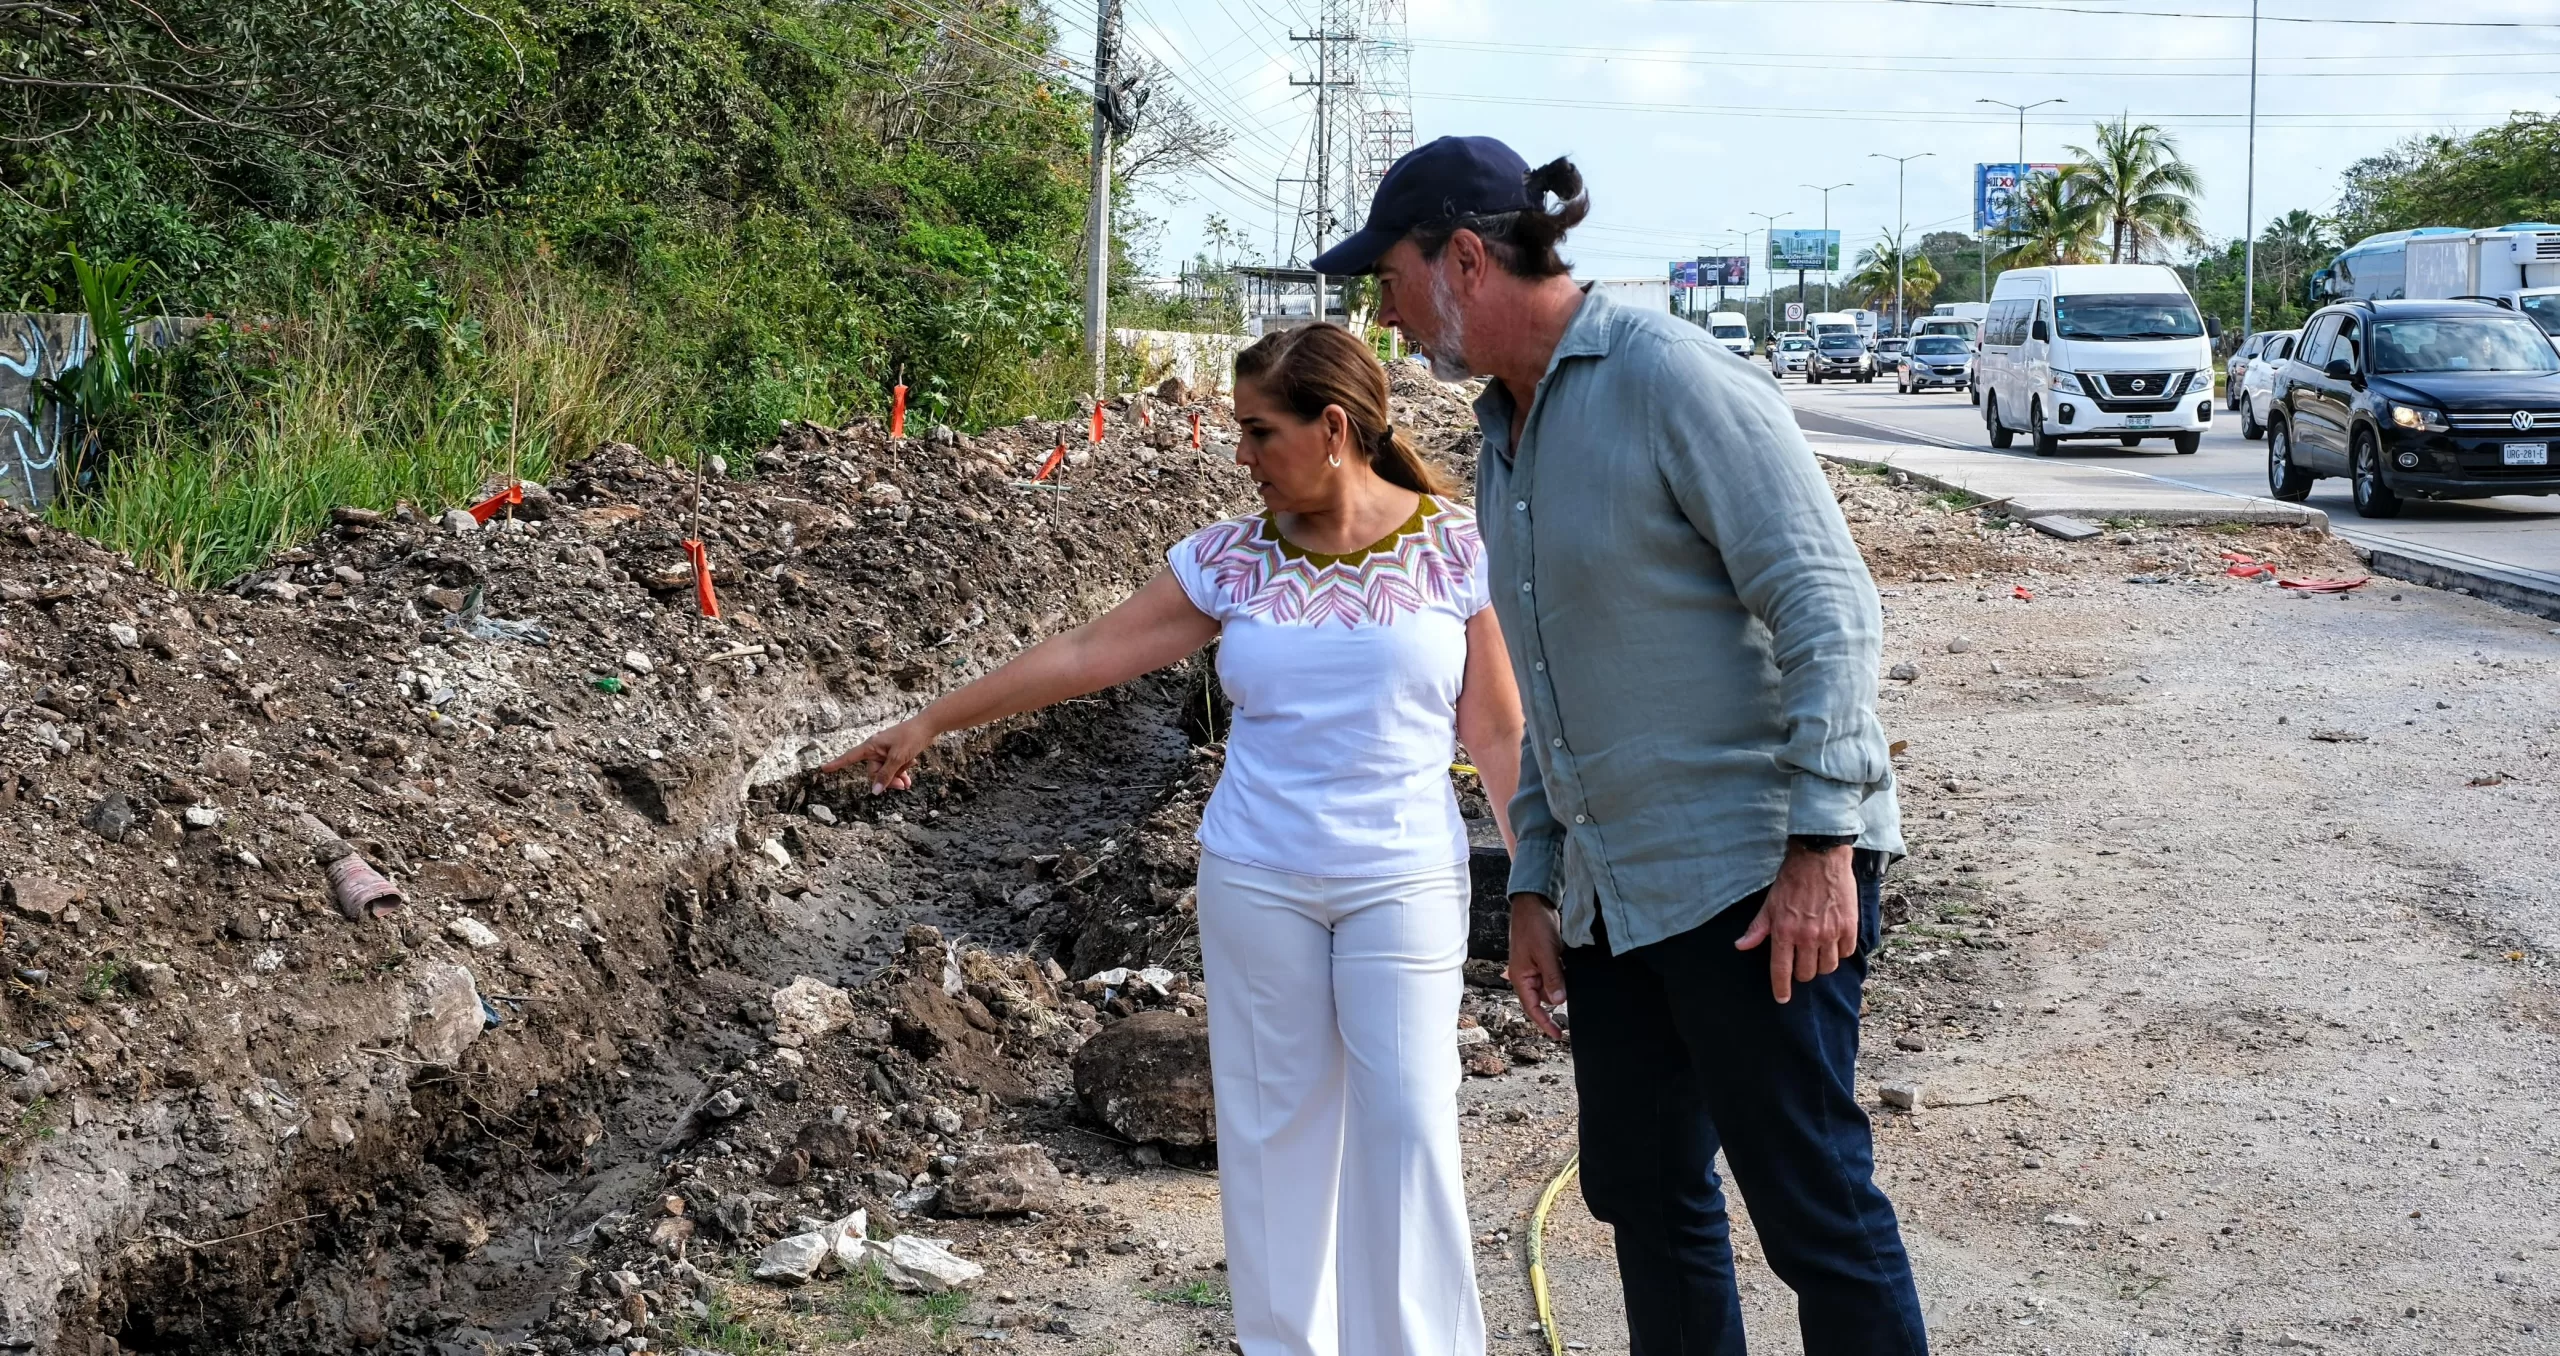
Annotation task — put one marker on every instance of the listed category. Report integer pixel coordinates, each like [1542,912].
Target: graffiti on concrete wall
[1205,362]
[35,434]
[35,348]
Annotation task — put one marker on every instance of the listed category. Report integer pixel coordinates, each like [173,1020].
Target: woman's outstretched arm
[1157,626]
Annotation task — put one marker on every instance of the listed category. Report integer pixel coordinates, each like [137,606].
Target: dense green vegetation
[447,238]
[2506,173]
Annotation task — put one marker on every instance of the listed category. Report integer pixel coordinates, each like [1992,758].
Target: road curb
[2523,590]
[2243,509]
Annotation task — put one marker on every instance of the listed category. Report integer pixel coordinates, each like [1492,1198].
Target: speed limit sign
[1795,313]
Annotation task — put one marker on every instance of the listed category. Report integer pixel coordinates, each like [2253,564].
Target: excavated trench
[234,1121]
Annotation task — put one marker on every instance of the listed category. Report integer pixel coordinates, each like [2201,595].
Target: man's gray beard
[1448,352]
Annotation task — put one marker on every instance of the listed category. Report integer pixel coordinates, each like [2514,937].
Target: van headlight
[2066,383]
[2419,417]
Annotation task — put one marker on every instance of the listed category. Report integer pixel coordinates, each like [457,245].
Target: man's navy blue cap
[1451,177]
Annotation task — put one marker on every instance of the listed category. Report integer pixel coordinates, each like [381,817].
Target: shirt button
[1556,742]
[1542,666]
[1582,819]
[1524,587]
[1523,506]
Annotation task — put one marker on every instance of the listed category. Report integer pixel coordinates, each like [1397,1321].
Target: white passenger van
[1731,329]
[1821,323]
[2095,351]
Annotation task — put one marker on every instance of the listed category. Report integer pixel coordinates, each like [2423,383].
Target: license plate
[2527,454]
[2137,421]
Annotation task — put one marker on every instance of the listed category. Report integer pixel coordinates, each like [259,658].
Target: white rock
[458,522]
[637,662]
[537,854]
[1473,1035]
[775,852]
[912,1263]
[202,817]
[822,814]
[1900,1096]
[471,932]
[810,1008]
[1959,645]
[447,1014]
[846,1239]
[794,1260]
[2061,1220]
[125,637]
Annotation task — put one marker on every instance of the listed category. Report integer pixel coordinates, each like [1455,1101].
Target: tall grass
[514,372]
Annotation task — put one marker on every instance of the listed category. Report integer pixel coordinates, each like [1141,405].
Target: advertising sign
[1994,186]
[1804,249]
[1725,270]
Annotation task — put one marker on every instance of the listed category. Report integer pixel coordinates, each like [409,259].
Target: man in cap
[1707,805]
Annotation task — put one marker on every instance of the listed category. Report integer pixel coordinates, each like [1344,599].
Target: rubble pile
[1440,418]
[368,901]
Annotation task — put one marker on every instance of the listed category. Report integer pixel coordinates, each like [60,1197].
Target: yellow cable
[1538,1254]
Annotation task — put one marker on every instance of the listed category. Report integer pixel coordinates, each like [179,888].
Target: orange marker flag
[704,597]
[1195,431]
[1056,456]
[488,508]
[1097,421]
[898,410]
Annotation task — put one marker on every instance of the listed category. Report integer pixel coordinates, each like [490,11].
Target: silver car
[1932,361]
[2236,367]
[1789,354]
[2255,393]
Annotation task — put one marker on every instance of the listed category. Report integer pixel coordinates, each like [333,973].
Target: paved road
[2516,533]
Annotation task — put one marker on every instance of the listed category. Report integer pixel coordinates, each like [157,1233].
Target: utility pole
[1325,36]
[1901,224]
[2022,168]
[1768,230]
[2249,212]
[1826,231]
[1097,227]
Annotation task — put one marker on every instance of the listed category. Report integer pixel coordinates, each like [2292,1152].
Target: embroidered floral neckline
[1424,506]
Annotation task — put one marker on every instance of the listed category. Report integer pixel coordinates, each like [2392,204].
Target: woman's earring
[1333,459]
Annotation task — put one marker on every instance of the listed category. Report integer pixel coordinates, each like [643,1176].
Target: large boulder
[1015,1179]
[446,1015]
[1147,1078]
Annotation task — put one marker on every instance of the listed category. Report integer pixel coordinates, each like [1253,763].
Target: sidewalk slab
[2036,489]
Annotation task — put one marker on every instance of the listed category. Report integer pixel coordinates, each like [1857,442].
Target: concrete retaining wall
[1205,362]
[36,347]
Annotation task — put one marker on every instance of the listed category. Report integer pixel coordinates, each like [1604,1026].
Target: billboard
[1804,249]
[1725,270]
[1993,186]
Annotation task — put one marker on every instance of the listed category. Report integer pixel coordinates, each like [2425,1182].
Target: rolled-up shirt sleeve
[1748,483]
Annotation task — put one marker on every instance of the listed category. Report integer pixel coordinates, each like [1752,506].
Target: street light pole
[1826,230]
[1901,322]
[2249,212]
[2022,170]
[1768,227]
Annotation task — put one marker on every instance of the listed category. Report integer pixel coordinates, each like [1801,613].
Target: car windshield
[1730,332]
[2127,315]
[1938,343]
[1793,344]
[2544,310]
[1850,340]
[2485,343]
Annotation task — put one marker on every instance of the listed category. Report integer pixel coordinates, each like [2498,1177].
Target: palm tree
[2052,220]
[1873,283]
[2143,189]
[2290,247]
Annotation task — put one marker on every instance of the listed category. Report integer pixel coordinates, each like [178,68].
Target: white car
[2256,393]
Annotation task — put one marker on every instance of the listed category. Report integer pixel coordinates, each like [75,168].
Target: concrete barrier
[1205,362]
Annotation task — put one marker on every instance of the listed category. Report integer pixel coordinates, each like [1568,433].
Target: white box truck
[1731,329]
[1651,294]
[2517,266]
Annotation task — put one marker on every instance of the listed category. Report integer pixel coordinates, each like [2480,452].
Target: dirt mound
[236,1119]
[1439,417]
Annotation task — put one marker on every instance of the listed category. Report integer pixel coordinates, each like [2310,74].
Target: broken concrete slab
[2065,526]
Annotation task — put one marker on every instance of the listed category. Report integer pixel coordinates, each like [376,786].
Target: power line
[2383,121]
[2397,67]
[2158,13]
[1717,58]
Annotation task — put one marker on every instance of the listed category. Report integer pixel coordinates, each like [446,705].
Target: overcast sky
[1687,116]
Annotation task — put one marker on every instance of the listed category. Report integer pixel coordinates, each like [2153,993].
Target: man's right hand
[1536,970]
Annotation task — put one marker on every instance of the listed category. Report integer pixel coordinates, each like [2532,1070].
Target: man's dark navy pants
[1679,1050]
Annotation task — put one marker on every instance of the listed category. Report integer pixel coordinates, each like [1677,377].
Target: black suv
[2432,399]
[1840,355]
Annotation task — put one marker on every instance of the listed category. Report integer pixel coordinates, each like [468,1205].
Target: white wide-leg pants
[1333,1006]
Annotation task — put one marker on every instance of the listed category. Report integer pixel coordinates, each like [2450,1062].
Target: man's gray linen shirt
[1695,635]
